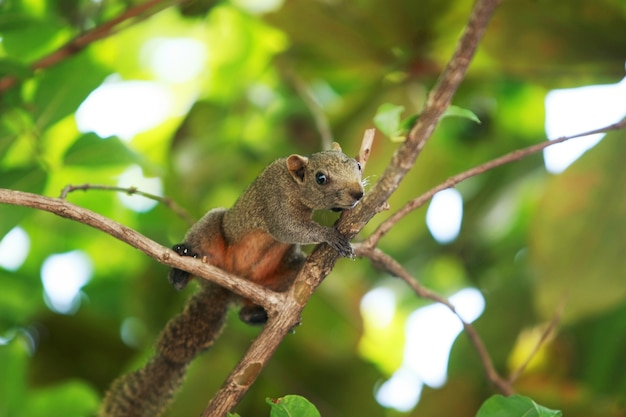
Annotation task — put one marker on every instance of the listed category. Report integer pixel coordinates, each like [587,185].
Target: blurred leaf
[568,41]
[17,305]
[91,150]
[31,179]
[13,365]
[292,406]
[73,398]
[197,8]
[578,236]
[387,120]
[514,406]
[63,87]
[29,37]
[11,67]
[14,21]
[601,343]
[456,111]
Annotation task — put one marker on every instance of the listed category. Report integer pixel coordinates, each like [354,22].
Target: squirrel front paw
[342,245]
[177,277]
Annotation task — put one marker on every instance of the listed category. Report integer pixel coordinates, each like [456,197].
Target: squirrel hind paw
[178,278]
[253,315]
[184,250]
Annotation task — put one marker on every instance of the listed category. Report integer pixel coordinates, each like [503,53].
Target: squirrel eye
[320,178]
[358,165]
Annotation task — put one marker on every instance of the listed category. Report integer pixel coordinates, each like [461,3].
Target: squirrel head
[328,180]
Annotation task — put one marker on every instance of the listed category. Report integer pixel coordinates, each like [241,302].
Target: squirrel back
[258,239]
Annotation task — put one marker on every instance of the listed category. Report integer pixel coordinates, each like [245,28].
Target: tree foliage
[274,83]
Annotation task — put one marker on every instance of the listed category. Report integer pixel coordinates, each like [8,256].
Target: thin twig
[315,108]
[381,259]
[181,212]
[516,155]
[80,42]
[366,147]
[547,332]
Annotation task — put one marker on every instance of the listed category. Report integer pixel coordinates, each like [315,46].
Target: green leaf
[407,124]
[456,111]
[13,368]
[514,406]
[90,150]
[58,94]
[292,406]
[387,120]
[31,179]
[15,21]
[14,68]
[69,399]
[30,37]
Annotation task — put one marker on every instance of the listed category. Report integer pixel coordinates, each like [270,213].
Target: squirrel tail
[147,391]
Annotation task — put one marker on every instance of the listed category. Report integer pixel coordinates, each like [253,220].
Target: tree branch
[516,155]
[166,256]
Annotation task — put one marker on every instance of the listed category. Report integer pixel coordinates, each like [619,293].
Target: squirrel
[257,239]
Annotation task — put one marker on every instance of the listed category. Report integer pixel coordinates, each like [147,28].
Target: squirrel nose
[357,195]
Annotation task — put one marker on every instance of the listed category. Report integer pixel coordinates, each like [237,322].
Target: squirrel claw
[177,277]
[184,250]
[343,248]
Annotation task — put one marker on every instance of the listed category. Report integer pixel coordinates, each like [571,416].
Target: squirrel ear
[296,165]
[336,147]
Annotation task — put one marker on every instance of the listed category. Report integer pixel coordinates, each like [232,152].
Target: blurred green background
[197,99]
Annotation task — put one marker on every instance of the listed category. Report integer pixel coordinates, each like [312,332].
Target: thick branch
[166,256]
